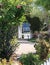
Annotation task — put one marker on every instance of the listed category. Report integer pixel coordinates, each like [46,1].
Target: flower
[19,6]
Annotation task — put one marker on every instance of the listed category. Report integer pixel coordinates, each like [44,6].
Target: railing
[47,62]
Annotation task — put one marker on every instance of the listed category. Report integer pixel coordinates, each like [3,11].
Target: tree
[35,23]
[36,11]
[44,3]
[42,48]
[10,16]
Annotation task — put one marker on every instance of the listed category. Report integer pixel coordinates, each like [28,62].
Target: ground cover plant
[43,49]
[30,59]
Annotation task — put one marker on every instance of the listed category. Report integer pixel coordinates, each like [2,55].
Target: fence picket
[47,62]
[44,63]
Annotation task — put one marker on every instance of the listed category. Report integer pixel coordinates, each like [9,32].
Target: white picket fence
[47,62]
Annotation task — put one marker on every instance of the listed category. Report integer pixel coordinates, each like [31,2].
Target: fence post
[49,60]
[45,63]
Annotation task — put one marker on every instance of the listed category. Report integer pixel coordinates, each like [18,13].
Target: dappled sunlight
[25,49]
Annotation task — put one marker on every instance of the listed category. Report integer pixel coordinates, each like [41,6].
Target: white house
[24,31]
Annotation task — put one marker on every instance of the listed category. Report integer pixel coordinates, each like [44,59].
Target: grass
[32,40]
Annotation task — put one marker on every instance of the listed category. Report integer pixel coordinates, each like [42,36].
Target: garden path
[25,47]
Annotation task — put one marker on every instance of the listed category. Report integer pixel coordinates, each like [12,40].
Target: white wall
[19,32]
[26,35]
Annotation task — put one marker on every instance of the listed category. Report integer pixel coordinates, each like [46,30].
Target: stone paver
[16,63]
[25,48]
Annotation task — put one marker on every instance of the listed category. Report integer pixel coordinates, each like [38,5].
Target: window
[26,27]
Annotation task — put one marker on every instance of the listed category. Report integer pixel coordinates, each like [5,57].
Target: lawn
[32,40]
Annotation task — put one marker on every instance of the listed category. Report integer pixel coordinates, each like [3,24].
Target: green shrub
[8,48]
[42,49]
[4,62]
[30,59]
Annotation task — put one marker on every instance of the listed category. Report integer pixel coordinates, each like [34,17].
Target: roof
[26,24]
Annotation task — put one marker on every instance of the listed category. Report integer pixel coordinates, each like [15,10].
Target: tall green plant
[11,14]
[42,49]
[9,17]
[44,3]
[30,59]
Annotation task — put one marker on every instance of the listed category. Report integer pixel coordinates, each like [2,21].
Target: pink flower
[19,6]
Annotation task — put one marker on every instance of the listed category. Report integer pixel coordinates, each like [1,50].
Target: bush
[42,49]
[8,49]
[11,62]
[30,59]
[4,62]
